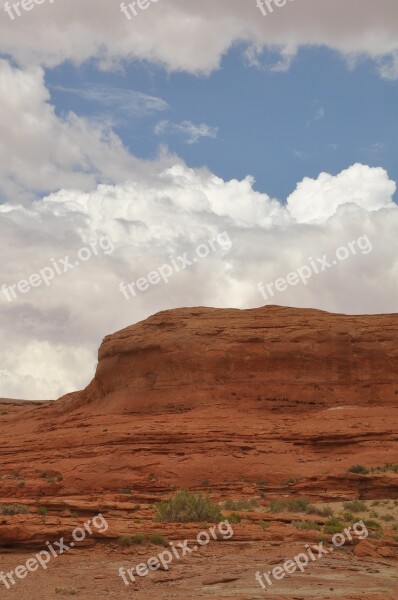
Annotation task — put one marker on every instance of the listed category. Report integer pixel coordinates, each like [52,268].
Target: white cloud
[192,132]
[315,201]
[49,337]
[193,36]
[128,102]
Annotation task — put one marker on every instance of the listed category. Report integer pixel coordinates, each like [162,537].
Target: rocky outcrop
[272,358]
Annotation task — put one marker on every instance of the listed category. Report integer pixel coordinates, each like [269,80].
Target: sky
[192,154]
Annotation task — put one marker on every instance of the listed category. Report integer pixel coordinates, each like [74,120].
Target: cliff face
[270,358]
[261,403]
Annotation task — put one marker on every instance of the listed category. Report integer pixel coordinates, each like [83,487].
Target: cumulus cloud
[193,36]
[315,201]
[153,221]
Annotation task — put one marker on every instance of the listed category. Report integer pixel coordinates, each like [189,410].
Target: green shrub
[14,509]
[186,507]
[205,482]
[234,518]
[372,524]
[292,505]
[242,504]
[333,526]
[60,477]
[355,505]
[67,591]
[360,469]
[326,511]
[158,540]
[126,491]
[387,518]
[42,511]
[261,483]
[290,481]
[307,525]
[347,516]
[264,524]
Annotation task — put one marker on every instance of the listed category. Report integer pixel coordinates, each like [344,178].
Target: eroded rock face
[274,358]
[266,403]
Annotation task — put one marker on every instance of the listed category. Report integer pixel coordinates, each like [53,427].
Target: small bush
[126,491]
[387,518]
[333,526]
[264,524]
[292,505]
[355,505]
[13,509]
[60,477]
[187,507]
[42,511]
[372,524]
[205,482]
[360,469]
[242,504]
[234,518]
[68,591]
[290,481]
[158,540]
[347,516]
[307,525]
[261,483]
[326,511]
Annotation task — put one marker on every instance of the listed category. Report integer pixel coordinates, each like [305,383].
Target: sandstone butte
[269,403]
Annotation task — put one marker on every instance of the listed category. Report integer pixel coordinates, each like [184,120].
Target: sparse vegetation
[387,518]
[157,539]
[292,505]
[333,526]
[264,524]
[360,469]
[290,481]
[242,504]
[126,491]
[187,507]
[355,505]
[14,509]
[42,511]
[387,467]
[372,524]
[68,591]
[60,477]
[307,525]
[234,518]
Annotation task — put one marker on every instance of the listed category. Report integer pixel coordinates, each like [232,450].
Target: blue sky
[106,124]
[320,115]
